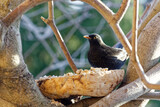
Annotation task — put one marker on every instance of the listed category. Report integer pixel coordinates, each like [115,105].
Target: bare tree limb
[150,95]
[122,10]
[51,23]
[128,35]
[148,53]
[110,18]
[130,91]
[153,11]
[134,56]
[94,82]
[89,101]
[101,8]
[114,25]
[85,102]
[148,6]
[21,9]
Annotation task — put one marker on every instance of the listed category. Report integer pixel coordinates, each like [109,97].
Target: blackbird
[101,55]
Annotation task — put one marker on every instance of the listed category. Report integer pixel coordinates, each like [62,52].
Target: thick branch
[90,101]
[95,82]
[129,91]
[134,57]
[106,12]
[21,9]
[148,52]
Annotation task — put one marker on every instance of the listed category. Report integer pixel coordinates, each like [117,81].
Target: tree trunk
[17,86]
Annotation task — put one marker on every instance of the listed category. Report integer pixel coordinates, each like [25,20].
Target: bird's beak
[87,37]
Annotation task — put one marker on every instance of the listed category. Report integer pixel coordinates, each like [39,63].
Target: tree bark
[148,52]
[17,85]
[8,5]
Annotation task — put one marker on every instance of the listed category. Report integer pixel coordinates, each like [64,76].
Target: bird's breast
[95,56]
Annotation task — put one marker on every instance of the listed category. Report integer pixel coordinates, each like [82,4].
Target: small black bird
[101,55]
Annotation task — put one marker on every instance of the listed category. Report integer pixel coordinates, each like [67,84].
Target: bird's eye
[94,37]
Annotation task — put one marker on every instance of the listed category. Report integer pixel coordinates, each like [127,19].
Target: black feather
[101,55]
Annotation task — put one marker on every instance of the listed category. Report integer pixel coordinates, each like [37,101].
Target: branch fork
[109,16]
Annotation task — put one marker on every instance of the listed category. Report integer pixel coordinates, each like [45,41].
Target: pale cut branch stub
[95,82]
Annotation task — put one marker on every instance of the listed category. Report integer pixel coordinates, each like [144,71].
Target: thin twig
[153,11]
[122,10]
[129,34]
[135,30]
[51,23]
[105,11]
[144,13]
[114,23]
[50,10]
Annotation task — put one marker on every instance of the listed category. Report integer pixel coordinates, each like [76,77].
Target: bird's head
[94,39]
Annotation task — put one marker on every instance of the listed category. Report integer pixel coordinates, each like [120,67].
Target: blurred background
[41,50]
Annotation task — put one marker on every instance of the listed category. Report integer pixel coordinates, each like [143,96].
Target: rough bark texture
[7,5]
[17,86]
[96,82]
[148,52]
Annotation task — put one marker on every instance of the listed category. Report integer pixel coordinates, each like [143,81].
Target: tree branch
[134,56]
[50,10]
[148,6]
[150,95]
[101,8]
[129,91]
[94,82]
[122,10]
[153,11]
[21,9]
[148,53]
[110,18]
[128,35]
[51,23]
[90,101]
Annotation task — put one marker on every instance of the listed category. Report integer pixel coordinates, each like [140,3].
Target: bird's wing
[117,53]
[121,54]
[111,60]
